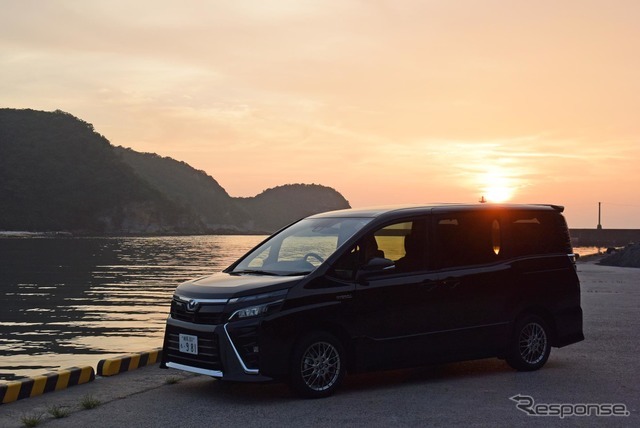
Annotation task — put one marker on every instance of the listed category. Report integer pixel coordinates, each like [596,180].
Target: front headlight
[254,311]
[259,309]
[251,311]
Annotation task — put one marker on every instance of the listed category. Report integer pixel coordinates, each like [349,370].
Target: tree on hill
[279,206]
[188,187]
[58,174]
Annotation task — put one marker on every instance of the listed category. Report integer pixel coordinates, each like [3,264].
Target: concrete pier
[604,237]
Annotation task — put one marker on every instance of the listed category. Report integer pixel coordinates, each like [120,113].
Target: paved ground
[602,369]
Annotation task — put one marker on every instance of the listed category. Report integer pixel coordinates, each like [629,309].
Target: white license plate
[189,344]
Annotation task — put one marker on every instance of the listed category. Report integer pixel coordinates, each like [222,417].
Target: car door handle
[429,284]
[450,283]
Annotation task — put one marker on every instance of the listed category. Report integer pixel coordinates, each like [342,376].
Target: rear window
[540,232]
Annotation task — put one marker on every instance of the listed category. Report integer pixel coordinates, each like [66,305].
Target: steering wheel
[314,255]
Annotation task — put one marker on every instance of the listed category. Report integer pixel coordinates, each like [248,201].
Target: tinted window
[414,247]
[405,243]
[467,239]
[537,232]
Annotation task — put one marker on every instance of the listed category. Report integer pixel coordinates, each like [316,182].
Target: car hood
[226,286]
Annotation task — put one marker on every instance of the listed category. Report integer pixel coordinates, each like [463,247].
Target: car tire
[317,365]
[529,346]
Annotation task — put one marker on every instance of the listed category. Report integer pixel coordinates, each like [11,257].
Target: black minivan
[374,289]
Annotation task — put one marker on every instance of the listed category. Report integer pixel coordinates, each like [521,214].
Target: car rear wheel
[317,365]
[530,346]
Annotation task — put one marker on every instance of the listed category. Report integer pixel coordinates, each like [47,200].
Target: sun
[498,193]
[496,186]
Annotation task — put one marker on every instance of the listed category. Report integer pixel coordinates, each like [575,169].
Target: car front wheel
[317,365]
[530,346]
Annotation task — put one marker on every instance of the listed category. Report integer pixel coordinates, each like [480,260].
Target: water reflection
[72,302]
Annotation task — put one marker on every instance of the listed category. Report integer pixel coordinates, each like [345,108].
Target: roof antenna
[482,200]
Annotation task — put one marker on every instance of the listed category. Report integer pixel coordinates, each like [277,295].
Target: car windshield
[300,248]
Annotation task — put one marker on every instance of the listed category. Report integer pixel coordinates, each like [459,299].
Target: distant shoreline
[27,234]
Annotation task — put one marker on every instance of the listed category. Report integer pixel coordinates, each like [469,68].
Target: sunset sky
[386,101]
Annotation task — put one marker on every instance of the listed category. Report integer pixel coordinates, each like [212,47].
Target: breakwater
[604,237]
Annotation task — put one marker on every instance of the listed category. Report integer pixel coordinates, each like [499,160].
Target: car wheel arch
[541,312]
[339,332]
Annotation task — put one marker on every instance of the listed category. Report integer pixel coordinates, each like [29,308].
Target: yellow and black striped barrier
[113,366]
[48,382]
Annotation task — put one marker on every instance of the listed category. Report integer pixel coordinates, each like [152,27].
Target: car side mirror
[377,264]
[374,266]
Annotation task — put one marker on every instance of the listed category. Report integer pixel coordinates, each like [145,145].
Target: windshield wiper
[255,272]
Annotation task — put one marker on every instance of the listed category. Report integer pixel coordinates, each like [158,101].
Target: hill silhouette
[291,201]
[193,190]
[58,174]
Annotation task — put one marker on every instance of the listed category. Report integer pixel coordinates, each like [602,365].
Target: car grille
[208,356]
[204,313]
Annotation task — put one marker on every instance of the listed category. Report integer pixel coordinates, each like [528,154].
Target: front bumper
[218,356]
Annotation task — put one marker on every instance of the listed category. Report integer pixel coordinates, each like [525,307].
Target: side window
[537,233]
[347,265]
[390,240]
[525,232]
[467,239]
[405,243]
